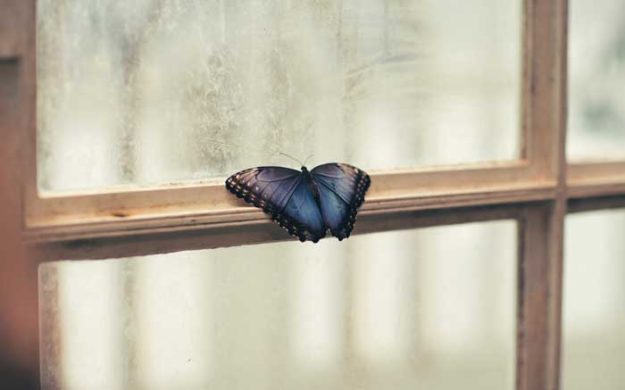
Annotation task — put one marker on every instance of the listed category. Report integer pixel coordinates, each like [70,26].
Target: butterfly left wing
[342,189]
[284,195]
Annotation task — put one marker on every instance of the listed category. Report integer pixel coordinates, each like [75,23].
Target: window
[461,144]
[593,338]
[397,307]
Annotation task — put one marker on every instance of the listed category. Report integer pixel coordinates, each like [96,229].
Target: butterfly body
[310,183]
[305,203]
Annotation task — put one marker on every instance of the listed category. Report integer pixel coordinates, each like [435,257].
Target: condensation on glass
[151,92]
[424,309]
[596,114]
[594,301]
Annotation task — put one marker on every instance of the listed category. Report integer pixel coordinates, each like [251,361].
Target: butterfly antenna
[291,157]
[228,144]
[308,158]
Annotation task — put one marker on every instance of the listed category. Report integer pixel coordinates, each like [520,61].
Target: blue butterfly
[305,203]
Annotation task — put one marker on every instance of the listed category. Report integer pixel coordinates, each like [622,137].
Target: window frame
[208,207]
[537,190]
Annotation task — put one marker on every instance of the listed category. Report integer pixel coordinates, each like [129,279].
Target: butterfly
[305,203]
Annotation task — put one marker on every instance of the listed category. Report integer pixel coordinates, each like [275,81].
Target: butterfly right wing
[284,195]
[342,189]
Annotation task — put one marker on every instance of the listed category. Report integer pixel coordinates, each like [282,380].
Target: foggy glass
[150,92]
[430,308]
[596,109]
[593,345]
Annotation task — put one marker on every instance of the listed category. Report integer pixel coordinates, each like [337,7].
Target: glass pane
[594,301]
[157,91]
[596,80]
[425,309]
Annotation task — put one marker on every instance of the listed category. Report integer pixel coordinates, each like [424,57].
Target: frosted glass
[423,309]
[151,92]
[596,80]
[594,301]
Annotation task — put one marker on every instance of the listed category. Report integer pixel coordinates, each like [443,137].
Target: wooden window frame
[537,190]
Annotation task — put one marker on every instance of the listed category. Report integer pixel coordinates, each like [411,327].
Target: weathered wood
[19,336]
[542,227]
[544,98]
[540,295]
[580,205]
[247,234]
[596,179]
[161,220]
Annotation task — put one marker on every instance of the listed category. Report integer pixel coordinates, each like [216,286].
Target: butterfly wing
[342,189]
[284,195]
